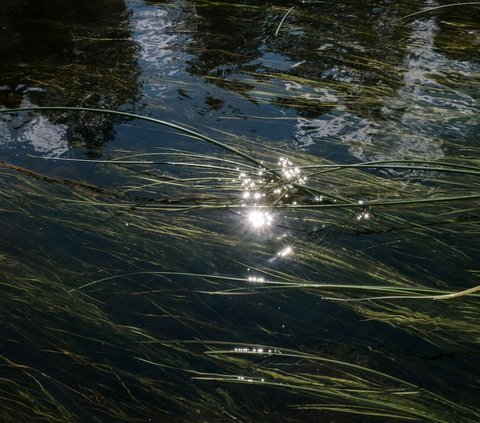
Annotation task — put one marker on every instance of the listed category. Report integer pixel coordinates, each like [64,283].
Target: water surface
[131,292]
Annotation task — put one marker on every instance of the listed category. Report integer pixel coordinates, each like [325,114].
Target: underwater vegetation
[169,213]
[304,248]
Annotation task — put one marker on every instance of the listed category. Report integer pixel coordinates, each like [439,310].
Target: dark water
[112,311]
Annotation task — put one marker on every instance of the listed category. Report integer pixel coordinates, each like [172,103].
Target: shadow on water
[67,53]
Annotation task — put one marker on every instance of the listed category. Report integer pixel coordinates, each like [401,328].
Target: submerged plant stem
[431,9]
[449,296]
[283,20]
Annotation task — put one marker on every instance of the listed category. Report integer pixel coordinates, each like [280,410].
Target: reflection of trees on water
[224,43]
[328,41]
[335,65]
[346,69]
[68,53]
[411,104]
[340,47]
[343,68]
[224,39]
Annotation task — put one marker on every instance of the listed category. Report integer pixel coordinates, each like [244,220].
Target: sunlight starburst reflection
[259,219]
[287,251]
[365,215]
[291,172]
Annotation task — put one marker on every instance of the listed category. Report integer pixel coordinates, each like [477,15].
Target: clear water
[106,316]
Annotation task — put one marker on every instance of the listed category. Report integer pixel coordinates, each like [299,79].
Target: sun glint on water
[259,219]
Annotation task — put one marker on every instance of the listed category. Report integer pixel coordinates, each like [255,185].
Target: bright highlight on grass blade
[287,251]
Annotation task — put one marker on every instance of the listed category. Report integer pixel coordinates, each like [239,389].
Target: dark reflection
[459,42]
[330,42]
[227,41]
[69,53]
[226,38]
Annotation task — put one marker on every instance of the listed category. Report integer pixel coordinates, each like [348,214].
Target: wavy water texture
[44,136]
[414,122]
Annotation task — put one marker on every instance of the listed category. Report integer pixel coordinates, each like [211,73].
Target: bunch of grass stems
[175,200]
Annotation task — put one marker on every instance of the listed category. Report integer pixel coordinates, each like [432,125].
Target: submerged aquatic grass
[199,182]
[324,199]
[141,287]
[443,6]
[339,386]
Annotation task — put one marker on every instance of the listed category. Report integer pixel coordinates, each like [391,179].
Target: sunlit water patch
[39,135]
[338,125]
[154,33]
[430,110]
[415,123]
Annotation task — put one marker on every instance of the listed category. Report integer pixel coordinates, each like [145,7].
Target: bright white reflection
[252,194]
[246,350]
[291,172]
[259,219]
[45,136]
[256,279]
[282,254]
[287,251]
[364,216]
